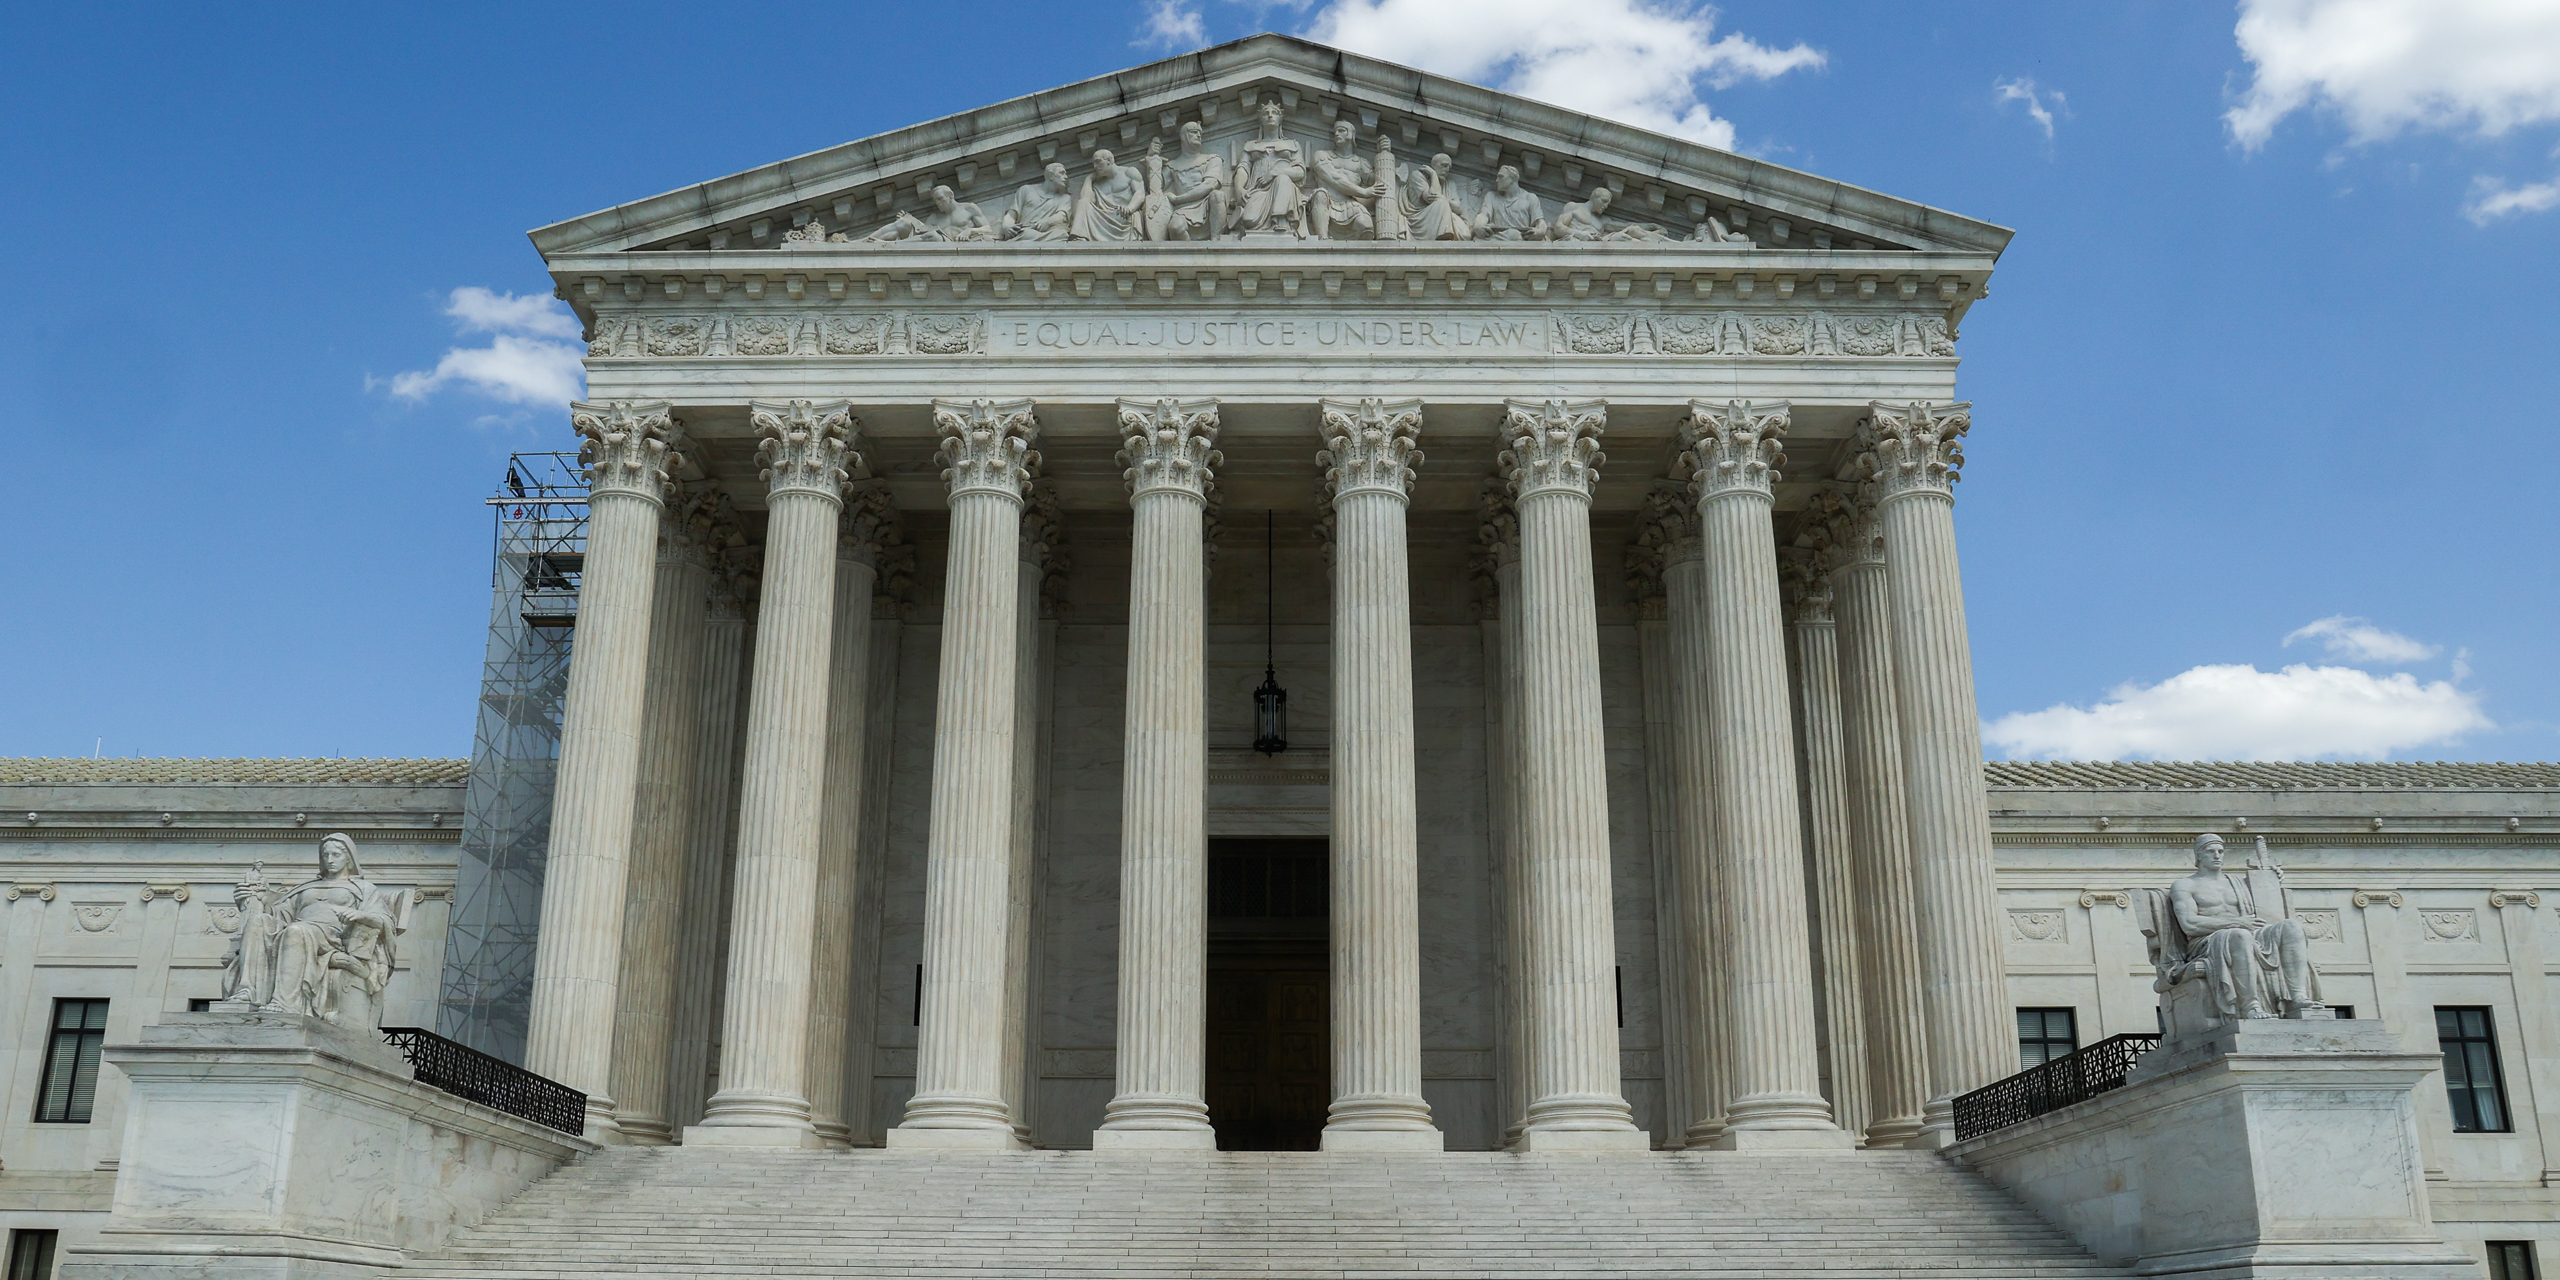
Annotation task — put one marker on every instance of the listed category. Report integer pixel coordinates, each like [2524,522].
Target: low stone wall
[2266,1149]
[263,1146]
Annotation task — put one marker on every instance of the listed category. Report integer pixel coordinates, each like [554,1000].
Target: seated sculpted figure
[1343,204]
[1043,210]
[1270,181]
[952,218]
[1509,211]
[2235,934]
[1583,221]
[1194,186]
[323,948]
[1108,206]
[1431,209]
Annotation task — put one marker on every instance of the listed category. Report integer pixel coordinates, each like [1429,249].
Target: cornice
[219,835]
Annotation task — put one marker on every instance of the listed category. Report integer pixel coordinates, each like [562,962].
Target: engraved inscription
[1454,334]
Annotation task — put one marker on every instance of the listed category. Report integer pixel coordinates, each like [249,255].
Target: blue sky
[2272,353]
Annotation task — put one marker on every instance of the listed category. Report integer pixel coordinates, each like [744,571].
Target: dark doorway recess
[1270,1010]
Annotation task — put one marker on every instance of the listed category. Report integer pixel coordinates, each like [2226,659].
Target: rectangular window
[2471,1077]
[71,1062]
[2044,1035]
[2508,1260]
[31,1254]
[2343,1012]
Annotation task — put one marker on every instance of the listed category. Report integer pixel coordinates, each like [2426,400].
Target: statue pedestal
[2265,1149]
[277,1147]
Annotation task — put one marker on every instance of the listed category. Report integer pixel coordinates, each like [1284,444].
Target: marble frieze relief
[1370,331]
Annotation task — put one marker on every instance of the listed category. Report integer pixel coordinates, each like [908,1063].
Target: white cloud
[2358,640]
[532,356]
[1637,61]
[2492,199]
[2389,65]
[2023,89]
[2241,713]
[1173,25]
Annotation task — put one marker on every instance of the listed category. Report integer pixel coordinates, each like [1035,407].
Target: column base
[906,1139]
[1902,1131]
[1785,1140]
[1149,1140]
[753,1135]
[1383,1140]
[1535,1141]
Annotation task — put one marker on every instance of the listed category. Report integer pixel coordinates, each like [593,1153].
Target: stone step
[670,1212]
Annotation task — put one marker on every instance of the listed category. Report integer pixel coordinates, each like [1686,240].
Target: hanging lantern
[1270,702]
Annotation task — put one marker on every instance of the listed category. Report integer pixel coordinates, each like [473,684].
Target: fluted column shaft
[960,1096]
[1774,1064]
[1021,847]
[1506,766]
[708,850]
[1572,953]
[1918,452]
[763,1097]
[1368,457]
[862,1033]
[652,913]
[1684,583]
[1897,1037]
[841,807]
[1164,872]
[577,965]
[1827,856]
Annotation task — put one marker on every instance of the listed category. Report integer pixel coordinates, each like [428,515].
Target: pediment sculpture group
[1269,188]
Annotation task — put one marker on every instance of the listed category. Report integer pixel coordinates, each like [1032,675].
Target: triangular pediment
[988,157]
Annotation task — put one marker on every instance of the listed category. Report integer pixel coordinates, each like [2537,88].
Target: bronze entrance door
[1270,1016]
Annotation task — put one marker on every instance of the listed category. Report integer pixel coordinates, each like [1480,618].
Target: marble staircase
[685,1212]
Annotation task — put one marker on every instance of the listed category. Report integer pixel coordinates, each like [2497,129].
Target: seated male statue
[2253,967]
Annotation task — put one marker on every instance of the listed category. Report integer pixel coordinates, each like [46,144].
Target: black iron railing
[2081,1074]
[466,1072]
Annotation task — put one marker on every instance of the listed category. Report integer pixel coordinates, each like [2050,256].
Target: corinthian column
[1042,544]
[1164,958]
[960,1095]
[644,1019]
[577,959]
[1826,835]
[1775,1069]
[1918,452]
[806,452]
[1499,536]
[1377,947]
[1575,1103]
[1879,826]
[1693,820]
[840,815]
[707,843]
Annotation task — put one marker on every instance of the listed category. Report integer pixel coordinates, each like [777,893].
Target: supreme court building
[1274,602]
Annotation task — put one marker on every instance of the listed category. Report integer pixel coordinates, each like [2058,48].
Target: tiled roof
[2258,774]
[35,769]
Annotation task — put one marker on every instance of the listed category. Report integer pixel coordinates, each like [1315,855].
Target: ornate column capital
[1371,445]
[1733,447]
[870,522]
[1804,581]
[1497,545]
[626,446]
[1842,522]
[1554,446]
[805,446]
[1914,448]
[1169,446]
[1666,534]
[684,525]
[986,445]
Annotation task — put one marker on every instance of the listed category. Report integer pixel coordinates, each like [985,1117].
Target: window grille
[2046,1034]
[71,1062]
[2472,1080]
[31,1254]
[2508,1260]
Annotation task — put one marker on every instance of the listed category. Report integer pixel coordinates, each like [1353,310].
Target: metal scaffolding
[539,550]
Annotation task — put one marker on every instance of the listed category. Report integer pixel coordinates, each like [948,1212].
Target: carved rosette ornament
[1371,445]
[1914,448]
[804,446]
[986,445]
[1555,446]
[626,447]
[1169,446]
[1733,447]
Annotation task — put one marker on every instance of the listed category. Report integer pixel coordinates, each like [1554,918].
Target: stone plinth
[270,1147]
[2269,1149]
